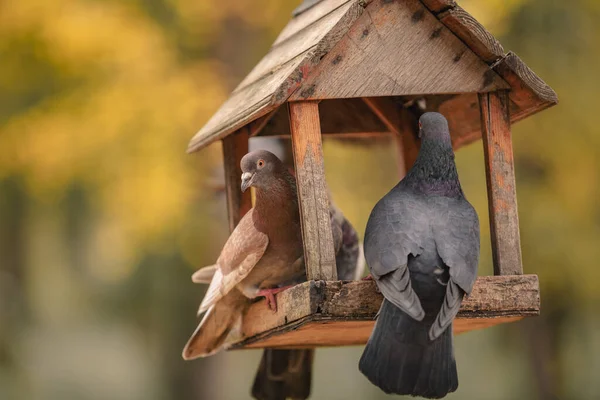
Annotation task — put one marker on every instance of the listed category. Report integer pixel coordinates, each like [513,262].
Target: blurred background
[103,217]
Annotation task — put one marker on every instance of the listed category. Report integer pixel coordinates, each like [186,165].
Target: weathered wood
[349,117]
[401,123]
[256,126]
[386,110]
[529,93]
[500,173]
[234,148]
[278,75]
[348,135]
[398,48]
[296,44]
[305,16]
[318,313]
[436,6]
[470,31]
[463,116]
[334,49]
[319,255]
[409,143]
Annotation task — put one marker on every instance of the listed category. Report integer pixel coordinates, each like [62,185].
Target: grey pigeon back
[422,248]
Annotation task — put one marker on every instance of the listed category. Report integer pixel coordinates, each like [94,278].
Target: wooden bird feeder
[365,68]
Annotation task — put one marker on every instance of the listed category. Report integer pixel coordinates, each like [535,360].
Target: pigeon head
[434,126]
[260,169]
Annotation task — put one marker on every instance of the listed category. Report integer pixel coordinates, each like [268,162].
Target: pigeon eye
[420,125]
[260,163]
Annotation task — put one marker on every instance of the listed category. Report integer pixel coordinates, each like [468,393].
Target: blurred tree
[103,217]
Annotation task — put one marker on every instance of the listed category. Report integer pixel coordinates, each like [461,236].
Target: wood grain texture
[238,204]
[500,174]
[472,33]
[398,48]
[306,16]
[319,254]
[529,93]
[349,117]
[398,121]
[387,111]
[278,74]
[409,142]
[436,6]
[342,313]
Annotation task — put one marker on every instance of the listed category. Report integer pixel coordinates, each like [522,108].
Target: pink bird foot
[367,278]
[269,295]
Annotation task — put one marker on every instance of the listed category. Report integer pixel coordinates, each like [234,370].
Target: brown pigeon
[263,254]
[288,373]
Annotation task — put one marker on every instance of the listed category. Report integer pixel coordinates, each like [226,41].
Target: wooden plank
[294,45]
[268,90]
[500,173]
[256,126]
[234,148]
[470,31]
[402,124]
[386,110]
[340,117]
[369,136]
[529,92]
[342,313]
[319,255]
[398,48]
[304,19]
[436,6]
[463,116]
[409,142]
[243,107]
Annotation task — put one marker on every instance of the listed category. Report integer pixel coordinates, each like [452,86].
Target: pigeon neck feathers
[277,204]
[434,171]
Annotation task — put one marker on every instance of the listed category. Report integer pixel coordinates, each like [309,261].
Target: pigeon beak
[246,180]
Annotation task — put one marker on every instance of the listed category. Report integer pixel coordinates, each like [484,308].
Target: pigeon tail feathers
[283,374]
[399,357]
[212,332]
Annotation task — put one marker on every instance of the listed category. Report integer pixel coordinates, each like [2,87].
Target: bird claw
[269,295]
[367,278]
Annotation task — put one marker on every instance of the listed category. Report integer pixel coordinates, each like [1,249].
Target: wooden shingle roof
[346,49]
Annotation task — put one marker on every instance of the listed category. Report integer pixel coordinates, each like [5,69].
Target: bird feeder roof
[348,49]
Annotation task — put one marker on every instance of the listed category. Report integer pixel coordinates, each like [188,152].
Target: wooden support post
[409,143]
[500,173]
[400,122]
[235,146]
[305,129]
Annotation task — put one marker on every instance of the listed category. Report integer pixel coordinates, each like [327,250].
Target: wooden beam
[343,313]
[398,48]
[529,93]
[235,147]
[256,126]
[403,124]
[473,34]
[319,254]
[386,110]
[500,173]
[409,143]
[436,6]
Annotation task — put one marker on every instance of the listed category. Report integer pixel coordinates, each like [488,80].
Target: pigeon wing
[456,233]
[395,231]
[244,248]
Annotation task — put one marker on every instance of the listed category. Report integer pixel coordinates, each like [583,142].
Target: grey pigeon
[422,248]
[263,254]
